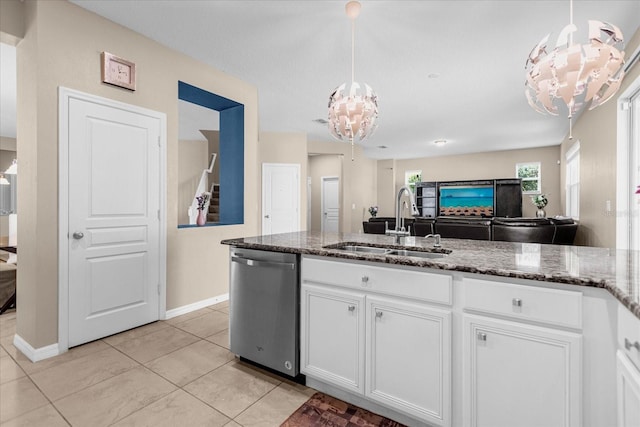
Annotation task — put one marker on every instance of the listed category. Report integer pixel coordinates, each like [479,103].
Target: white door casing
[112,240]
[280,198]
[627,165]
[330,204]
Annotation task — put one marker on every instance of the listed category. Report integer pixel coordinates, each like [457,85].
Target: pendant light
[575,74]
[353,112]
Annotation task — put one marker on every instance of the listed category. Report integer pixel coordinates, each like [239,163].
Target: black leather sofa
[525,230]
[377,225]
[559,231]
[464,228]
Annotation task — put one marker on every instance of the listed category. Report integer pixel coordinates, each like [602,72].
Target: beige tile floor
[177,372]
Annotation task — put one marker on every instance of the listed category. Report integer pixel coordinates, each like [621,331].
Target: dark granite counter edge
[618,293]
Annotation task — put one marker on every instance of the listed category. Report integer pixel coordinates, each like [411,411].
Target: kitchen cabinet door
[332,341]
[408,358]
[519,375]
[628,392]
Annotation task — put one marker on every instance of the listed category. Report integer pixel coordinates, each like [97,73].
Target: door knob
[78,235]
[266,216]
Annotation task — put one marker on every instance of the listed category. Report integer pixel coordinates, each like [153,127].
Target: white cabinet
[358,319]
[516,373]
[520,375]
[628,392]
[408,357]
[628,369]
[332,336]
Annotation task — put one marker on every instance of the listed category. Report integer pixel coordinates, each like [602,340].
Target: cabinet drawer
[629,334]
[553,306]
[403,282]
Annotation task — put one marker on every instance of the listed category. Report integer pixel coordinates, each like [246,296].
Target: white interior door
[330,204]
[280,198]
[114,228]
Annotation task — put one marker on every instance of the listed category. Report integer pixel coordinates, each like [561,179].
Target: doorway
[330,203]
[112,217]
[280,198]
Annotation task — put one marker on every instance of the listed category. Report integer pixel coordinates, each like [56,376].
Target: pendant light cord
[353,50]
[571,21]
[571,44]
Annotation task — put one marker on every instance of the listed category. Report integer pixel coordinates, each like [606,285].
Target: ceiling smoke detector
[440,142]
[382,146]
[320,121]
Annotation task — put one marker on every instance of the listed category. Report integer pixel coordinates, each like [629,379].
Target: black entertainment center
[486,198]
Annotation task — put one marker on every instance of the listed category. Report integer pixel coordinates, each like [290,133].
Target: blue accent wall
[232,165]
[231,157]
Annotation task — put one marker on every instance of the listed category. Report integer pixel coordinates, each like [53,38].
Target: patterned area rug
[326,411]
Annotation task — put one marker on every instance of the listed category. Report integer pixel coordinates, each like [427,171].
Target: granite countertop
[618,271]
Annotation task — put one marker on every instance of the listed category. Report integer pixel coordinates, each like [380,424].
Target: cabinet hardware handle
[352,307]
[628,344]
[378,314]
[365,279]
[517,302]
[481,336]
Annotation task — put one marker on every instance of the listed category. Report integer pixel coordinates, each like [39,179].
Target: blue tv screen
[466,201]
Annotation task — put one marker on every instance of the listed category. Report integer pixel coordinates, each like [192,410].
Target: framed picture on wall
[117,71]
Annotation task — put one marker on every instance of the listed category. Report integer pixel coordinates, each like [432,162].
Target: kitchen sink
[375,250]
[419,254]
[365,249]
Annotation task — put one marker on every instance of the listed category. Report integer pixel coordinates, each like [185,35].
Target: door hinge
[159,142]
[158,288]
[158,214]
[624,106]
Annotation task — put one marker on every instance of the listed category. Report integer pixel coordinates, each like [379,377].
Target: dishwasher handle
[256,263]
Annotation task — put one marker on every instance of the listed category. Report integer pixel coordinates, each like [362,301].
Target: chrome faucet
[436,239]
[400,231]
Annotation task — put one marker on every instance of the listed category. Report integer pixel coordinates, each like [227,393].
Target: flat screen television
[466,200]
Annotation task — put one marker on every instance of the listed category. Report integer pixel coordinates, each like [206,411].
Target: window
[573,181]
[411,177]
[531,175]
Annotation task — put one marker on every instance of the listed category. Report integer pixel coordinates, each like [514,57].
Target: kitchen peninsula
[485,334]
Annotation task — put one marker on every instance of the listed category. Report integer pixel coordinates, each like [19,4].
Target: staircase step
[213,218]
[214,209]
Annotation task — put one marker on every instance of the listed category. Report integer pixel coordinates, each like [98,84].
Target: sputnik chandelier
[574,74]
[353,114]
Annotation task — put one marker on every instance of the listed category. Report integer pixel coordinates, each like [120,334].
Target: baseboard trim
[35,354]
[174,312]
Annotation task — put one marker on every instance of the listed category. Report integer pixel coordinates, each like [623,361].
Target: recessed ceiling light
[320,121]
[382,146]
[433,75]
[440,142]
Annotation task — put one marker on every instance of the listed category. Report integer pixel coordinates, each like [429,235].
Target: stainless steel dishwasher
[264,308]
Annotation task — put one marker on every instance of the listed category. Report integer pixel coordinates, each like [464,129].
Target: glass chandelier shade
[353,111]
[572,75]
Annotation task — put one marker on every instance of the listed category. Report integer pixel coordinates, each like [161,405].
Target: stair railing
[201,188]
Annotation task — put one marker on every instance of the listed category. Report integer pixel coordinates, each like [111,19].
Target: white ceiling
[297,52]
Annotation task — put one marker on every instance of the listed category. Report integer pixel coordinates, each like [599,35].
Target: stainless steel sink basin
[419,254]
[365,249]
